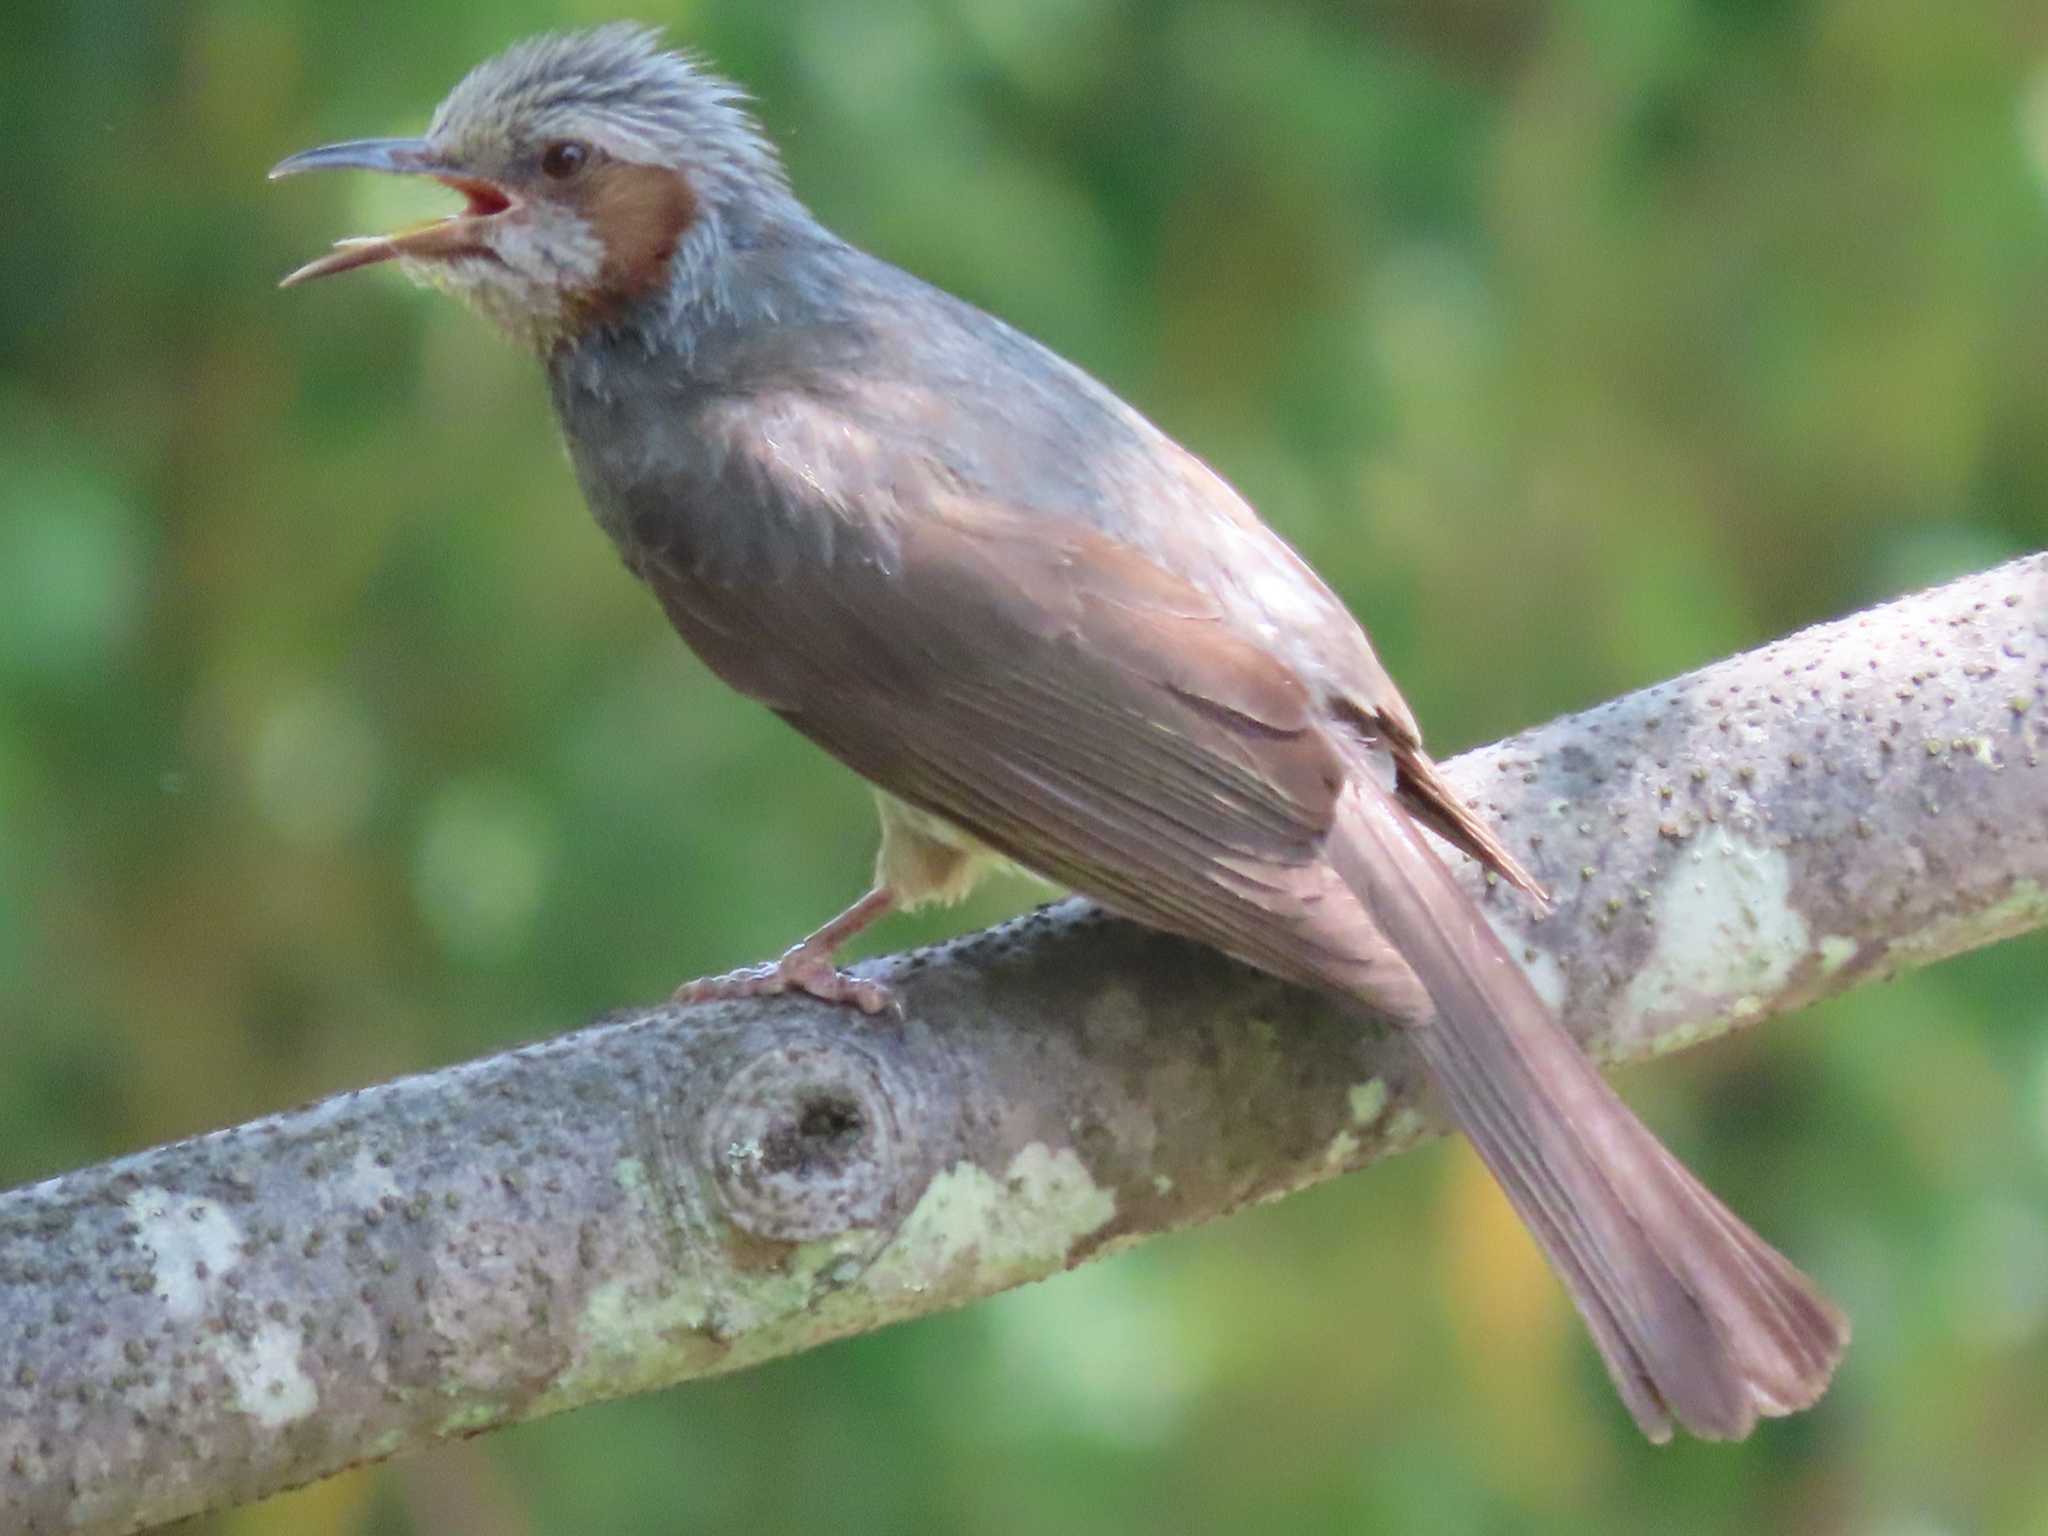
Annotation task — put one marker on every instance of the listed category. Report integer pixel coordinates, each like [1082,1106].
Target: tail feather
[1698,1319]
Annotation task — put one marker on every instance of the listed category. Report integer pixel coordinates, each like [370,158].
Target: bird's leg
[807,966]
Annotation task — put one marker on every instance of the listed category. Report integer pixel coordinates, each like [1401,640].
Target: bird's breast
[726,564]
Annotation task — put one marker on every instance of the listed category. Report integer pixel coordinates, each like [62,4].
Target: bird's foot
[802,969]
[807,967]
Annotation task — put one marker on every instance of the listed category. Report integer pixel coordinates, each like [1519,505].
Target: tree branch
[668,1195]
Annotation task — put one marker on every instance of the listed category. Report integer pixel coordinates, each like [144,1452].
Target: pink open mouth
[455,237]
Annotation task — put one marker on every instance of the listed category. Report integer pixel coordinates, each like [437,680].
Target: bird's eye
[563,159]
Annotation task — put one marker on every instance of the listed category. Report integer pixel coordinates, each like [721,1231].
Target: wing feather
[1058,694]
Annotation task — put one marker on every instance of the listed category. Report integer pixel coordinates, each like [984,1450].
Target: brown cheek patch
[641,213]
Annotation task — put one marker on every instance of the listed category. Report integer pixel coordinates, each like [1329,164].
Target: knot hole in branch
[825,1137]
[804,1142]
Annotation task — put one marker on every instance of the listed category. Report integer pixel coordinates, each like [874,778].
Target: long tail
[1699,1319]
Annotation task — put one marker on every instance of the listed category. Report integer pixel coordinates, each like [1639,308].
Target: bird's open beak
[459,234]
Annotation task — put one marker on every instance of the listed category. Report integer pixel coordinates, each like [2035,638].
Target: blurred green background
[1578,344]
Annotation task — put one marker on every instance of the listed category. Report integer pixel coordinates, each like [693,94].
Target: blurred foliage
[1578,344]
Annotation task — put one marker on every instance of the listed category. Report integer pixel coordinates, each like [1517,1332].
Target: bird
[1050,637]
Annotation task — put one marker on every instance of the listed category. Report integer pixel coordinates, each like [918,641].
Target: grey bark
[668,1195]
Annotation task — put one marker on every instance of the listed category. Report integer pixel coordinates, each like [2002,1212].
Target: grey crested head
[605,176]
